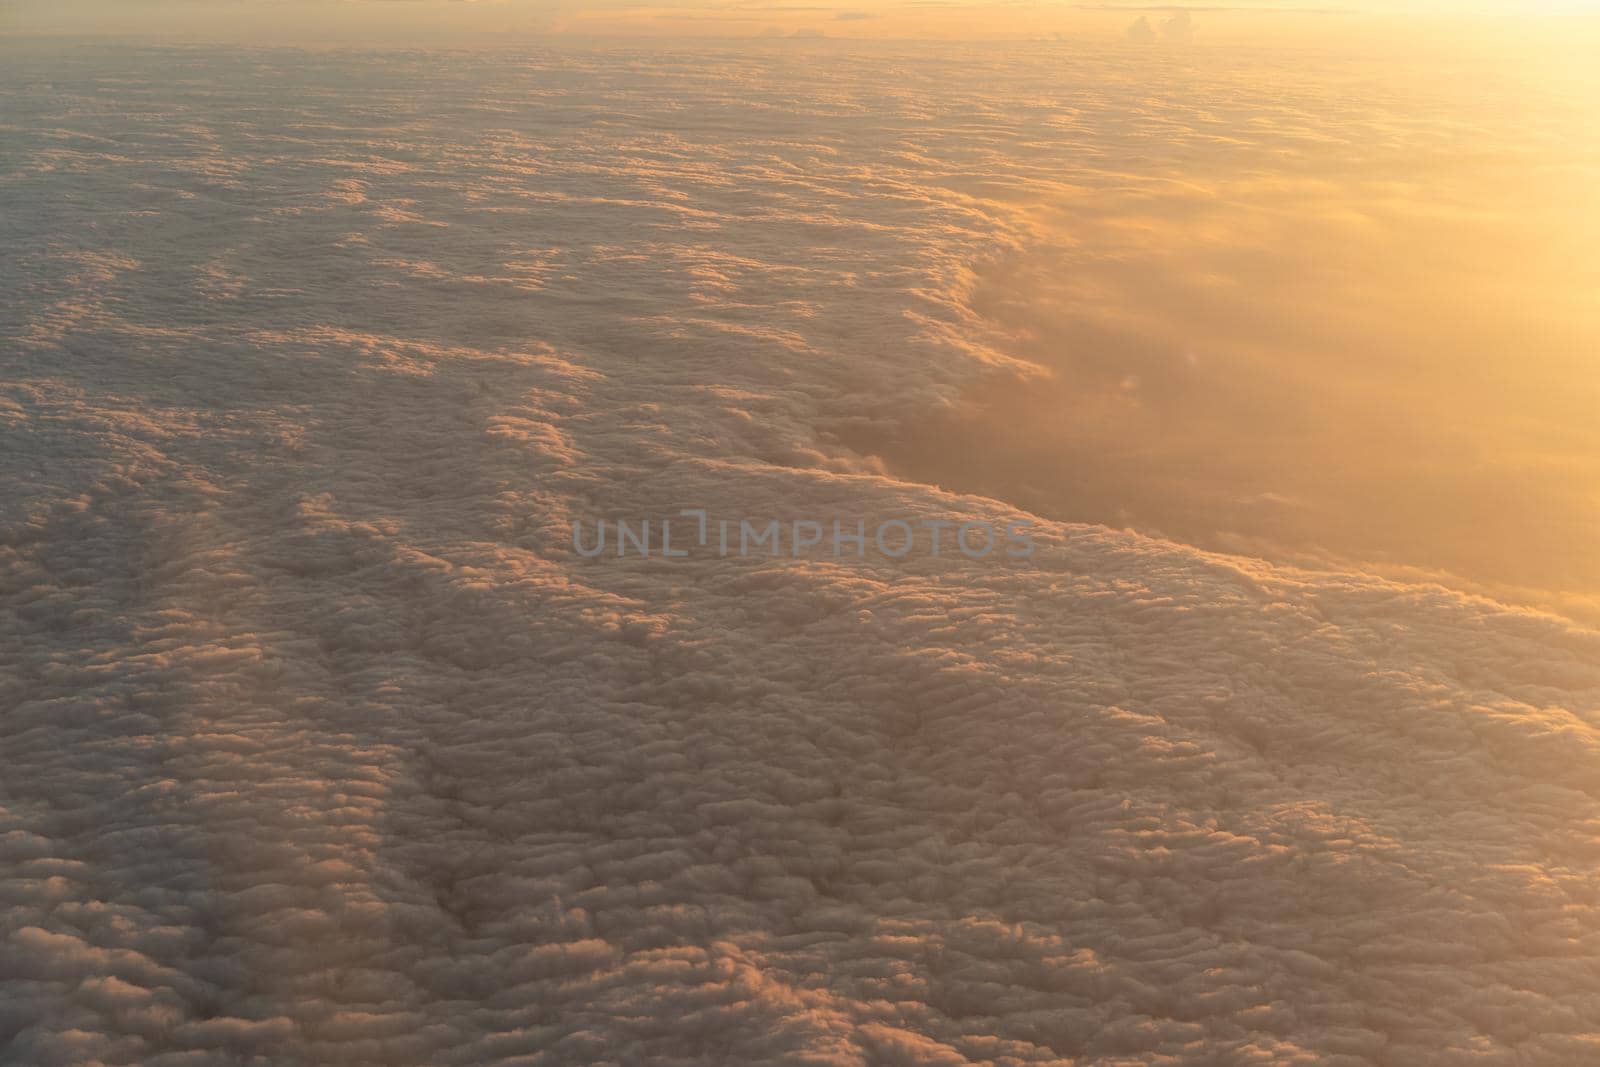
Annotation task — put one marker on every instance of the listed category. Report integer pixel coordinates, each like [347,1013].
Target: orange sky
[382,21]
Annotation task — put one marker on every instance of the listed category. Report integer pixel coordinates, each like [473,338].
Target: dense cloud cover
[321,745]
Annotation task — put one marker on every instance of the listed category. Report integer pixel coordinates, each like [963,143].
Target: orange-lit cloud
[321,745]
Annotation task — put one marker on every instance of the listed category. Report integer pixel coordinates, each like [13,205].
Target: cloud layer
[323,746]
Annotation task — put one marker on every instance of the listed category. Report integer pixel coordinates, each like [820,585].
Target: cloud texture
[321,745]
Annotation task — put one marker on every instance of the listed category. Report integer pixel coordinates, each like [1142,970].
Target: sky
[382,21]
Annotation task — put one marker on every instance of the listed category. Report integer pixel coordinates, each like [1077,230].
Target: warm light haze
[835,534]
[374,22]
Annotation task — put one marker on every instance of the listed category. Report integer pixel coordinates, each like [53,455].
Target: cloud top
[323,746]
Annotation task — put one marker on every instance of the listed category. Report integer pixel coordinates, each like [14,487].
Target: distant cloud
[1176,28]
